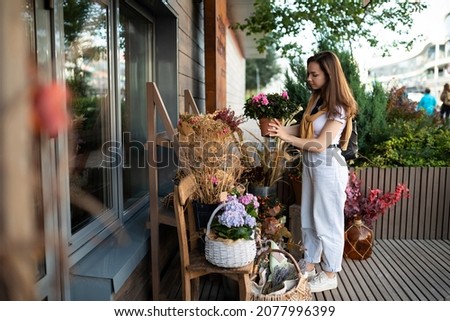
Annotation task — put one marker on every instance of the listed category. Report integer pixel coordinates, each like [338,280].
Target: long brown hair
[336,91]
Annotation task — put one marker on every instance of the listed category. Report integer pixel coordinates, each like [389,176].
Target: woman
[445,108]
[326,125]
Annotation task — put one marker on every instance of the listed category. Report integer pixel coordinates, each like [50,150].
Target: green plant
[414,143]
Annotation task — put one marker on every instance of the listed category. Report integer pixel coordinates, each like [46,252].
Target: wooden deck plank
[378,273]
[342,285]
[393,280]
[414,271]
[432,278]
[444,248]
[372,283]
[394,272]
[434,261]
[170,284]
[359,283]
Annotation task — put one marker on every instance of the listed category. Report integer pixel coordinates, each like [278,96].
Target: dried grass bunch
[210,150]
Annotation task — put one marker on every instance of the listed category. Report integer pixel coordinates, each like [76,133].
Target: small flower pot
[264,126]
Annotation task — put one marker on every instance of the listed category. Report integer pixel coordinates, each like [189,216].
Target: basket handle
[270,250]
[218,208]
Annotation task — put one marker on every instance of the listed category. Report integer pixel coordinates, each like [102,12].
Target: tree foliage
[260,71]
[274,21]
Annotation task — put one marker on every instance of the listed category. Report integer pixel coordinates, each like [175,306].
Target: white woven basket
[228,253]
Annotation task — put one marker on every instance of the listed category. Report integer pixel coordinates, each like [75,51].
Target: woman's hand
[276,129]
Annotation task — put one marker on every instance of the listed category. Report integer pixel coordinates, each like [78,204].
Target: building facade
[92,196]
[430,68]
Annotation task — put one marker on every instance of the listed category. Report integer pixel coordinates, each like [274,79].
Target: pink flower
[285,95]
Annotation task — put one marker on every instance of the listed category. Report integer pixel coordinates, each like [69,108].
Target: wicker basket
[300,292]
[228,253]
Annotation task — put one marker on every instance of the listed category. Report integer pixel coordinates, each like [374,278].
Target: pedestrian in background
[445,98]
[427,103]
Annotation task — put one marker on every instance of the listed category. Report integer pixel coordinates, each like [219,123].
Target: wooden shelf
[159,214]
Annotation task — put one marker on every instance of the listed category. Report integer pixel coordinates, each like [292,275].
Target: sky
[429,22]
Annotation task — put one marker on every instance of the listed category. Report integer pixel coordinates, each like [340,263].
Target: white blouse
[319,123]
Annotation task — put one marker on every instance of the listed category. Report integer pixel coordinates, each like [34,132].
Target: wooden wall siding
[191,50]
[425,215]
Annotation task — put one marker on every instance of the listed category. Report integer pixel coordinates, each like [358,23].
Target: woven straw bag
[228,253]
[300,292]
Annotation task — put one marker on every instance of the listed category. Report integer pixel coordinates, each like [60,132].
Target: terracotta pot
[358,241]
[264,126]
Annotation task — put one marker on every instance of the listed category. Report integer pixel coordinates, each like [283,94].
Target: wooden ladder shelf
[168,138]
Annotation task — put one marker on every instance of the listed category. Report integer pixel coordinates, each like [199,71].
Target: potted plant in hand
[362,211]
[267,107]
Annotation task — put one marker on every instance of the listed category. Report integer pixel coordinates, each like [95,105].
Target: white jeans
[324,180]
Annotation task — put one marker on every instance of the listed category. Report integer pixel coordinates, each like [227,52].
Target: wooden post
[17,219]
[216,24]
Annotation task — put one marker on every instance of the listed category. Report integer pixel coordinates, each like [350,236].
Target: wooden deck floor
[399,270]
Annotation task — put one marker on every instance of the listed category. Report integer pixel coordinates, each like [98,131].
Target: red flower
[370,208]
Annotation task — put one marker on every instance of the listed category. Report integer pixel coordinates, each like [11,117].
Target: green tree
[274,21]
[295,84]
[260,71]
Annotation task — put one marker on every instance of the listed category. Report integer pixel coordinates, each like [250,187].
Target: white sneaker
[321,282]
[309,275]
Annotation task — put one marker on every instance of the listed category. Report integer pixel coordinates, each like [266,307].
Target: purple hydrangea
[235,215]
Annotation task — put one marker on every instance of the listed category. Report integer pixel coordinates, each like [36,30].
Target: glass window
[431,52]
[441,51]
[135,57]
[88,76]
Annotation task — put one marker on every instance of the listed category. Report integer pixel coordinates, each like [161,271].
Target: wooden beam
[216,23]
